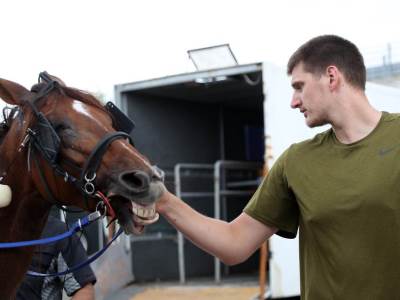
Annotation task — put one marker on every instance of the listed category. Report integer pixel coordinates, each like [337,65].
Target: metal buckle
[29,133]
[94,216]
[89,186]
[90,179]
[101,206]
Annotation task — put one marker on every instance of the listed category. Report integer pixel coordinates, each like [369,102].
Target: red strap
[110,210]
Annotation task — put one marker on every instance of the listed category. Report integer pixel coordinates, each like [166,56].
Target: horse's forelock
[74,93]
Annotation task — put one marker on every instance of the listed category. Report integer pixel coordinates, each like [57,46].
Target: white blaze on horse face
[5,195]
[81,108]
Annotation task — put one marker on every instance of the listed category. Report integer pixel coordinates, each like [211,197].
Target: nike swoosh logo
[384,151]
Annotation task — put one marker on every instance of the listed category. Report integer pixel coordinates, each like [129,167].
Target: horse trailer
[212,132]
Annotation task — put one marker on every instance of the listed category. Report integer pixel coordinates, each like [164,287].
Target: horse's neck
[23,219]
[26,207]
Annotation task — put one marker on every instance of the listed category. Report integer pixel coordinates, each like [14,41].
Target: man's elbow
[235,259]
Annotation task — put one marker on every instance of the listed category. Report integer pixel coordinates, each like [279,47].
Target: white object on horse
[5,195]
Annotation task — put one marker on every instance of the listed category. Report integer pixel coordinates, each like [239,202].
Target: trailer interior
[206,131]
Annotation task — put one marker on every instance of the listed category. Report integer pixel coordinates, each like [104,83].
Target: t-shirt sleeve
[71,255]
[274,203]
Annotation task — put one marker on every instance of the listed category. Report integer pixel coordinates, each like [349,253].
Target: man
[340,189]
[57,257]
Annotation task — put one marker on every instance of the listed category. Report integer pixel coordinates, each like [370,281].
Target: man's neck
[354,119]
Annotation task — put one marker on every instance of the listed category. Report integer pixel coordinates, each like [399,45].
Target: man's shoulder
[389,126]
[307,145]
[391,117]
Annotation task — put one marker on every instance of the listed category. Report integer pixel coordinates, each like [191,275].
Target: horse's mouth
[131,215]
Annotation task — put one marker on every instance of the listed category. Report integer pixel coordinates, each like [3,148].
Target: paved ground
[199,289]
[197,293]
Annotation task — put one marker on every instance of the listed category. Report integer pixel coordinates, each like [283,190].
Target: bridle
[41,138]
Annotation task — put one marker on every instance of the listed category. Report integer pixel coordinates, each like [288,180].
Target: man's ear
[12,92]
[334,77]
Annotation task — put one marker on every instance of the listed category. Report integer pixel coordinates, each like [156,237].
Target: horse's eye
[60,127]
[66,134]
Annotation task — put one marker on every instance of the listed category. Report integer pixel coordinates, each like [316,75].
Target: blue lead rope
[77,226]
[80,265]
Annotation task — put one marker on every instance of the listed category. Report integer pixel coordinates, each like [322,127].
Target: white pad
[5,195]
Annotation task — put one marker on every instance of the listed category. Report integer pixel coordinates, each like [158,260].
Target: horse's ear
[12,92]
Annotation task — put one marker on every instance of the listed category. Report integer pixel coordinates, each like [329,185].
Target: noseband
[43,138]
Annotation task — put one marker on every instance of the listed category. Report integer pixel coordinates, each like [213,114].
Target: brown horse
[91,157]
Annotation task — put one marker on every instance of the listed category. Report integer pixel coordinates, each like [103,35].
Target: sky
[93,45]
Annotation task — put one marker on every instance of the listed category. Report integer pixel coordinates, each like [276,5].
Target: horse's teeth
[134,209]
[143,212]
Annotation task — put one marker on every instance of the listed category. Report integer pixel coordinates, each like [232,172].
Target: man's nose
[295,102]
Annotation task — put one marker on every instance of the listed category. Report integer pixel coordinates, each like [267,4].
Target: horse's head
[77,155]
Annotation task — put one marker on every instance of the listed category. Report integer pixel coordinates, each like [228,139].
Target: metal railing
[222,190]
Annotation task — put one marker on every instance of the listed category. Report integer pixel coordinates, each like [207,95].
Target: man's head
[323,51]
[325,70]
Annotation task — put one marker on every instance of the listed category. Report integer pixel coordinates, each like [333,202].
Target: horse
[60,146]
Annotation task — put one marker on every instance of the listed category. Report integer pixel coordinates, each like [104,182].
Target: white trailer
[209,118]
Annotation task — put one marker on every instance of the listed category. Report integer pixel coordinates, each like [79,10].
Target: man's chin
[314,123]
[309,122]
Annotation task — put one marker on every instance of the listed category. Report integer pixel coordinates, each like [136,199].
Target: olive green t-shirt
[345,201]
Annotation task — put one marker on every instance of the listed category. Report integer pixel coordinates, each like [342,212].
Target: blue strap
[80,265]
[78,225]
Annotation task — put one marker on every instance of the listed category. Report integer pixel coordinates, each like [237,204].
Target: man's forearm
[201,230]
[230,242]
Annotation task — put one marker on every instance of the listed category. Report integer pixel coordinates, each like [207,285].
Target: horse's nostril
[137,181]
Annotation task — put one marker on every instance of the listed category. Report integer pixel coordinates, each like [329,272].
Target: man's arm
[231,242]
[78,284]
[85,293]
